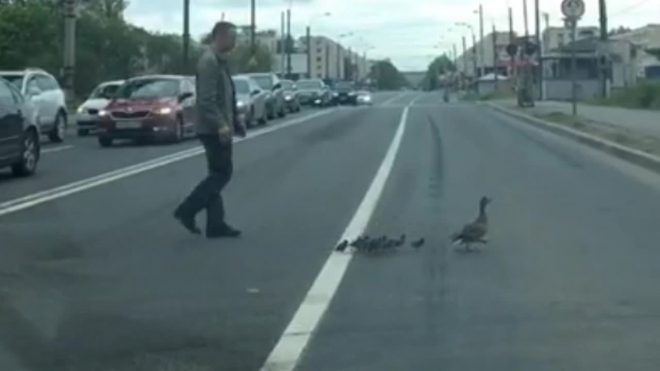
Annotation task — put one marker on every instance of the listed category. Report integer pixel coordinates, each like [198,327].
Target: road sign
[573,9]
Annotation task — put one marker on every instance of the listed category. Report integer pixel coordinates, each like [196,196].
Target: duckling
[417,244]
[342,246]
[475,231]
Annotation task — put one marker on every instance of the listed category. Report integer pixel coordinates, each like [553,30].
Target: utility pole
[287,43]
[253,28]
[309,53]
[465,65]
[573,23]
[282,46]
[455,56]
[186,35]
[339,61]
[539,48]
[602,8]
[68,69]
[474,55]
[525,19]
[327,60]
[481,41]
[511,41]
[348,76]
[495,69]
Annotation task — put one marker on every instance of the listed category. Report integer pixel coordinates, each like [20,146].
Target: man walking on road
[215,122]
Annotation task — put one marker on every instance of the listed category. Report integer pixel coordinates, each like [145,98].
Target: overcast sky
[410,32]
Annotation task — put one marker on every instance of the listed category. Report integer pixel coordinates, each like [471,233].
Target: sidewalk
[636,129]
[642,122]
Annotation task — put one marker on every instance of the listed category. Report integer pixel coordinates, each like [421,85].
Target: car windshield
[105,91]
[287,84]
[309,84]
[241,86]
[264,81]
[16,80]
[149,88]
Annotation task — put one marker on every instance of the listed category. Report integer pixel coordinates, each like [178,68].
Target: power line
[631,8]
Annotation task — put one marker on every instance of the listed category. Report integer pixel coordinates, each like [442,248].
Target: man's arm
[208,74]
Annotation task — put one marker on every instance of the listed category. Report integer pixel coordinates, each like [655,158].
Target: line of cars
[144,108]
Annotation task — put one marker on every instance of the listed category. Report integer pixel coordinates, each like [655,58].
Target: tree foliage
[107,47]
[387,76]
[439,66]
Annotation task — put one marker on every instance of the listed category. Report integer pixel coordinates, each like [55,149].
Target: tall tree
[387,76]
[439,66]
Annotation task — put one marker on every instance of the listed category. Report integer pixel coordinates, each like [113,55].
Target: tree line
[107,47]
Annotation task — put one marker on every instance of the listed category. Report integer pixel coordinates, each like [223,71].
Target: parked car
[87,114]
[314,92]
[250,100]
[149,107]
[271,83]
[41,88]
[19,132]
[364,97]
[344,93]
[291,98]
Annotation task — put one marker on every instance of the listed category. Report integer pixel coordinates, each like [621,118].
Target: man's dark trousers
[207,193]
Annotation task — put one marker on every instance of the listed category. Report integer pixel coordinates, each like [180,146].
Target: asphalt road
[102,279]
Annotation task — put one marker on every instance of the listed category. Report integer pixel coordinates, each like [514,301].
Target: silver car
[88,113]
[251,100]
[42,90]
[269,82]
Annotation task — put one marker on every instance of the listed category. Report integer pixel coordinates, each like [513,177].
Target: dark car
[344,93]
[271,83]
[313,92]
[291,98]
[149,107]
[19,132]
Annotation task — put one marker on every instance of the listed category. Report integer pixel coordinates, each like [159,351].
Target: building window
[318,59]
[319,75]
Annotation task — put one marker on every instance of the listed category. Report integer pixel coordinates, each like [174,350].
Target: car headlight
[240,104]
[335,94]
[367,98]
[351,93]
[103,113]
[288,97]
[81,109]
[163,110]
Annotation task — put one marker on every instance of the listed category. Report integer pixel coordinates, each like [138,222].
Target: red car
[149,107]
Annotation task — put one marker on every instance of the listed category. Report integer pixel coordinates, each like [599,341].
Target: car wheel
[105,142]
[30,152]
[83,132]
[179,131]
[249,118]
[58,131]
[263,119]
[271,113]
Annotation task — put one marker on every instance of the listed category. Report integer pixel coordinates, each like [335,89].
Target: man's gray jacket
[216,107]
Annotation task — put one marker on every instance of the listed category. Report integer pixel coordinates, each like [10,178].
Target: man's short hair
[222,28]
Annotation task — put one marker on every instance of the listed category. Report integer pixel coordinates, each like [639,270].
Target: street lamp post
[69,49]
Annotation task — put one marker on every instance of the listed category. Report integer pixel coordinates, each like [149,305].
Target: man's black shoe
[187,221]
[225,231]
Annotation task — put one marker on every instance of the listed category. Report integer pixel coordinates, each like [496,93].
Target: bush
[645,94]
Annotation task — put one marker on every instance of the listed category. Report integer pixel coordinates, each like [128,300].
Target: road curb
[632,155]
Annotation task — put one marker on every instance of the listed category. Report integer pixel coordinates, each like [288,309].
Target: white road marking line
[34,199]
[393,98]
[297,335]
[56,149]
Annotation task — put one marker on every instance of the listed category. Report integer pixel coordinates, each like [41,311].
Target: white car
[42,90]
[88,112]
